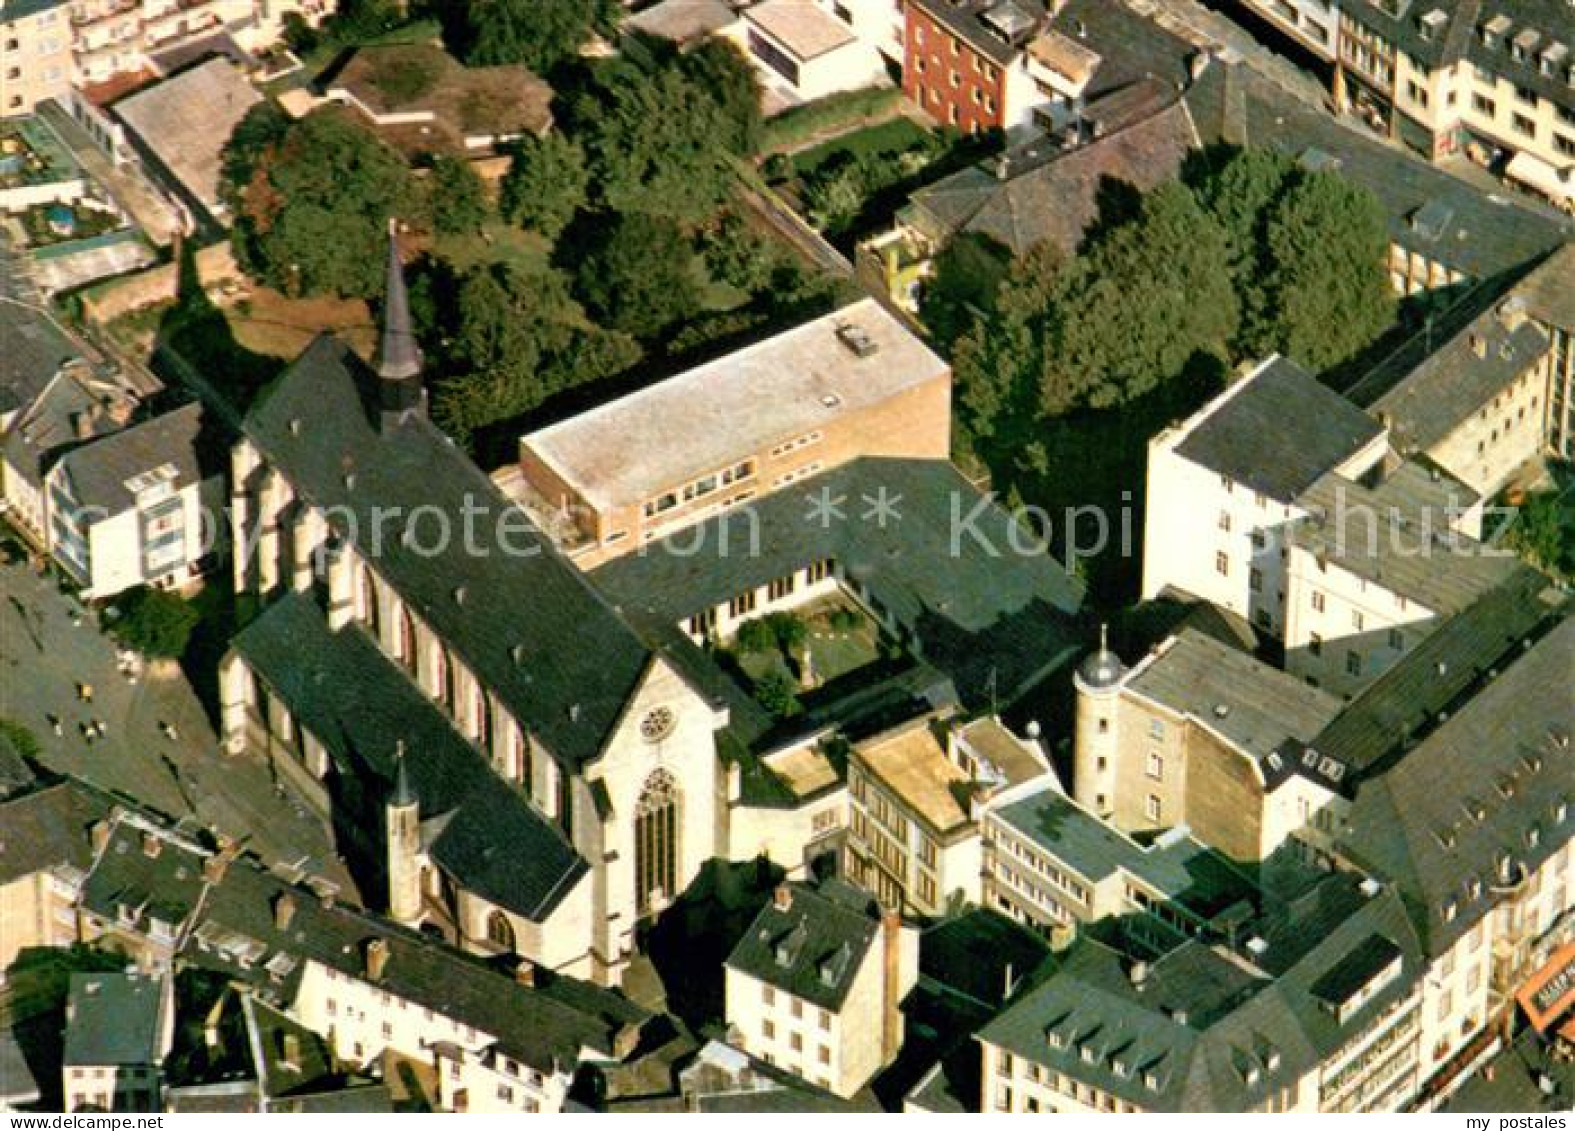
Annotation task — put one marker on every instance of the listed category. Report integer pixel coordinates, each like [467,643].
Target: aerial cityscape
[848,556]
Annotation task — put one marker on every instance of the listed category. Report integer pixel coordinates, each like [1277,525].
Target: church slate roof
[512,609]
[342,689]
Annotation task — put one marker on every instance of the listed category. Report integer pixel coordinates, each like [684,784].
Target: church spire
[404,792]
[398,355]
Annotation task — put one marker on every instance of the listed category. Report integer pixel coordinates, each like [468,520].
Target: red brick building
[961,58]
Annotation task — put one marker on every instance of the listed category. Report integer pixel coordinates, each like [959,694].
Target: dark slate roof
[1178,865]
[1441,671]
[50,422]
[545,1026]
[1549,290]
[1279,432]
[1196,1034]
[1253,705]
[341,688]
[48,828]
[812,949]
[1131,46]
[35,349]
[1448,388]
[1052,194]
[1478,798]
[516,613]
[144,876]
[974,613]
[113,1019]
[309,1067]
[982,956]
[16,773]
[99,470]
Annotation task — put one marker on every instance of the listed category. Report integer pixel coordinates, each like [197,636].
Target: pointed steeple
[398,355]
[404,793]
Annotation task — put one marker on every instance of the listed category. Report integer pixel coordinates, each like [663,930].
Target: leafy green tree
[836,193]
[1327,289]
[1240,194]
[1150,295]
[1543,532]
[318,197]
[640,276]
[153,622]
[778,694]
[459,200]
[736,254]
[300,36]
[655,140]
[538,33]
[718,70]
[966,276]
[789,631]
[359,21]
[545,185]
[755,636]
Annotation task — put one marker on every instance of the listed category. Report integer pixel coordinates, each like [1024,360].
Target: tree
[789,631]
[153,622]
[358,21]
[545,185]
[1240,194]
[318,197]
[736,254]
[777,692]
[655,140]
[541,34]
[640,276]
[1147,298]
[718,70]
[1543,532]
[300,36]
[459,201]
[962,286]
[755,636]
[1327,288]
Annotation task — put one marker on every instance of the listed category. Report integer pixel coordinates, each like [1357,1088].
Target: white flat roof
[802,26]
[623,452]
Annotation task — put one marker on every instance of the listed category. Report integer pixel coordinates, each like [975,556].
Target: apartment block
[35,54]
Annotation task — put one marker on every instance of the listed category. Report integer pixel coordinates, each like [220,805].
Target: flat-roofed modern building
[852,383]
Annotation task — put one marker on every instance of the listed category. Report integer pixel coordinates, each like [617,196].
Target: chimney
[1512,313]
[1138,972]
[1478,345]
[891,1013]
[782,898]
[82,424]
[376,959]
[290,1050]
[283,910]
[151,846]
[98,836]
[214,867]
[525,973]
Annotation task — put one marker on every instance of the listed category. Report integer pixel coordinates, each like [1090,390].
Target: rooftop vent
[1257,947]
[1370,887]
[1221,710]
[858,340]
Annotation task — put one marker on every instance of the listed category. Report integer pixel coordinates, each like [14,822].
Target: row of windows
[698,488]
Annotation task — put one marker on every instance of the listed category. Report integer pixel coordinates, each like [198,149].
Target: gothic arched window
[406,641]
[500,932]
[369,610]
[656,842]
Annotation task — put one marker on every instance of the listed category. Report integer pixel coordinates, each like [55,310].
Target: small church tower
[400,395]
[402,820]
[1095,742]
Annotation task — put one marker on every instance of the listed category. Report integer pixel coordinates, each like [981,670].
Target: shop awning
[1550,992]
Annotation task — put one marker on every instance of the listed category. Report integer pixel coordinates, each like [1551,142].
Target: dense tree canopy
[538,33]
[318,196]
[966,275]
[459,200]
[640,275]
[545,185]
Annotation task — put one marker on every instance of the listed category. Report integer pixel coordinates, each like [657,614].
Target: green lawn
[892,136]
[497,242]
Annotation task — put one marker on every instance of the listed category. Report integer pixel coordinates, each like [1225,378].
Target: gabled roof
[1482,800]
[48,828]
[1278,431]
[35,349]
[113,1019]
[813,947]
[342,689]
[511,608]
[102,471]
